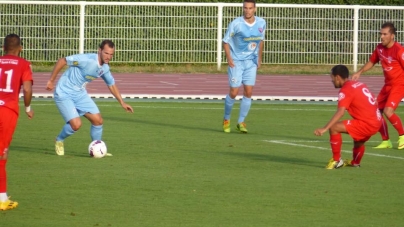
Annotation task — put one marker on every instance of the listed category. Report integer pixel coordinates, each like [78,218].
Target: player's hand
[127,108]
[319,131]
[231,63]
[49,85]
[355,76]
[30,114]
[259,65]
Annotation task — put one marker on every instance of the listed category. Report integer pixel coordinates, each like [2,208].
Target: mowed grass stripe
[173,166]
[328,149]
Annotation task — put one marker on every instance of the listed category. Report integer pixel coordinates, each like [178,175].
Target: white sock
[3,197]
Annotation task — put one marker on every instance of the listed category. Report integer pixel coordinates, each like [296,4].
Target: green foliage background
[184,34]
[331,2]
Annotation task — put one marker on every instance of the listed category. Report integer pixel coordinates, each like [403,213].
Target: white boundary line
[328,149]
[199,97]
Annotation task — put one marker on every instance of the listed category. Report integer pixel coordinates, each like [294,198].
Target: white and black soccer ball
[97,149]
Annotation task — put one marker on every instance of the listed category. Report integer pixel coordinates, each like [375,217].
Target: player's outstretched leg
[59,148]
[96,132]
[64,133]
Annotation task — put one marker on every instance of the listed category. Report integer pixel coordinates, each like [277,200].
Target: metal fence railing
[159,32]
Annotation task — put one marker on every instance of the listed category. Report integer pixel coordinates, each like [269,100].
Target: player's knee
[388,111]
[337,128]
[75,125]
[247,94]
[233,94]
[98,121]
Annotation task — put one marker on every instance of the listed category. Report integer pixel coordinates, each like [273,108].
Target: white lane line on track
[328,149]
[163,82]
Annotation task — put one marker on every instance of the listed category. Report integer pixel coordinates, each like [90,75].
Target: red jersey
[359,102]
[13,72]
[392,61]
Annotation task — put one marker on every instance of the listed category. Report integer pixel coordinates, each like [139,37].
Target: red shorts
[8,122]
[390,96]
[360,130]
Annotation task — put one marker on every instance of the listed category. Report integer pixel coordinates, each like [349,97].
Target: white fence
[158,32]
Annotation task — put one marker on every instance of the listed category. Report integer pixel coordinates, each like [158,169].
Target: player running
[71,95]
[360,103]
[14,73]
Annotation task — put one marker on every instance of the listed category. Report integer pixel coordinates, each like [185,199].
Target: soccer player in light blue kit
[71,95]
[243,44]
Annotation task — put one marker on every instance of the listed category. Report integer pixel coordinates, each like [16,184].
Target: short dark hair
[108,43]
[340,70]
[391,27]
[250,1]
[11,42]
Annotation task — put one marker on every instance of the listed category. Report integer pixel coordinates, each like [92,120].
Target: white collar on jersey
[251,24]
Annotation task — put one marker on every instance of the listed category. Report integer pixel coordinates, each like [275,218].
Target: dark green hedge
[327,2]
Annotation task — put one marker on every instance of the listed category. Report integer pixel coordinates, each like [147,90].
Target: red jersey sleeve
[13,72]
[374,58]
[400,57]
[27,73]
[344,98]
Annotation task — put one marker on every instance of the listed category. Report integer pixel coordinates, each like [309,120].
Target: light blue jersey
[244,38]
[83,68]
[70,94]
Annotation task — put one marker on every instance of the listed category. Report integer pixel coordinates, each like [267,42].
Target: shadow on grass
[276,158]
[49,152]
[164,124]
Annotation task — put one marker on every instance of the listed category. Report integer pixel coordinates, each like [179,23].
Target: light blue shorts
[74,105]
[243,72]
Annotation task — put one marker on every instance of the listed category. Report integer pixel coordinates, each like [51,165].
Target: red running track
[213,86]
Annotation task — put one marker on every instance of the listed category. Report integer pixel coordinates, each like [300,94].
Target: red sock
[336,144]
[3,176]
[384,132]
[357,154]
[396,122]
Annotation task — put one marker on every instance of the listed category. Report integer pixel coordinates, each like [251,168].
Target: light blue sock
[228,106]
[244,108]
[96,132]
[66,132]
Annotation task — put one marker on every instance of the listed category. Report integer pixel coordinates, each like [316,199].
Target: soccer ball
[97,149]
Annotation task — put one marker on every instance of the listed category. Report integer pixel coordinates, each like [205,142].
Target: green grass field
[173,166]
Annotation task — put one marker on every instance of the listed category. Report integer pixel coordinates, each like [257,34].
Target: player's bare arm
[340,113]
[364,68]
[260,53]
[226,48]
[27,91]
[58,66]
[115,92]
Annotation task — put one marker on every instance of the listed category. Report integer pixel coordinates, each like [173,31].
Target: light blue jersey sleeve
[108,78]
[244,38]
[84,68]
